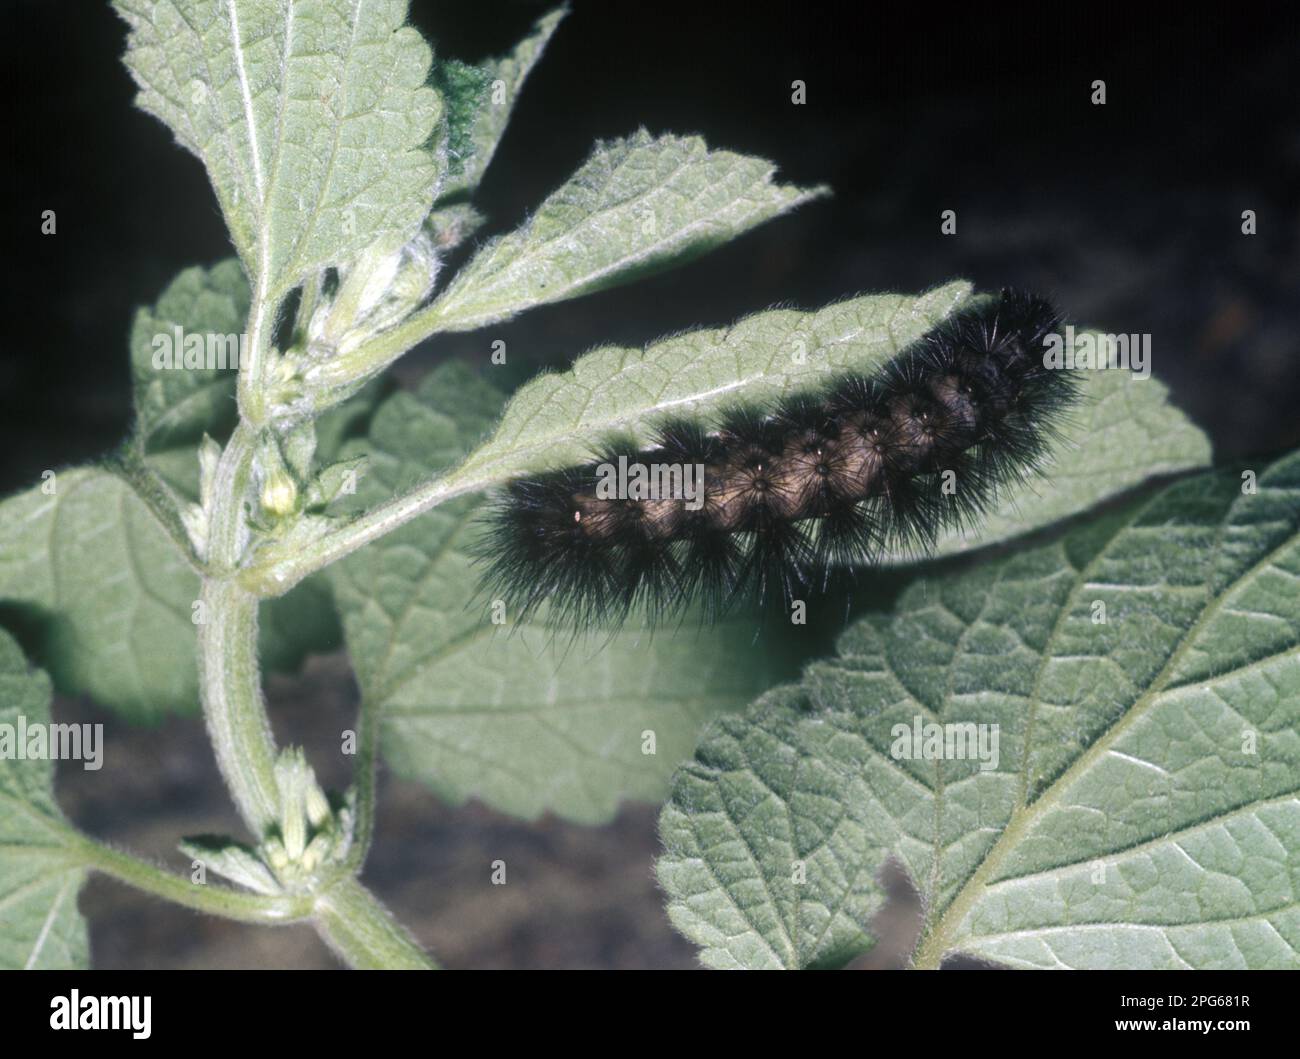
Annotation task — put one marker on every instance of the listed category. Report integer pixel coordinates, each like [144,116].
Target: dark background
[1128,215]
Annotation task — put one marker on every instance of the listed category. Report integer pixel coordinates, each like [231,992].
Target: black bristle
[813,486]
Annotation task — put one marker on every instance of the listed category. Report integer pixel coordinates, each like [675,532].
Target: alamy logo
[651,481]
[77,1012]
[1094,351]
[38,741]
[930,741]
[178,351]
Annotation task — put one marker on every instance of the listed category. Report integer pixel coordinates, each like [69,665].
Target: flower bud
[279,494]
[317,805]
[379,290]
[275,854]
[316,853]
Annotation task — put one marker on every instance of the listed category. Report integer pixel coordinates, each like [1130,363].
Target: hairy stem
[363,932]
[215,900]
[157,496]
[376,354]
[364,779]
[251,386]
[345,914]
[229,678]
[275,575]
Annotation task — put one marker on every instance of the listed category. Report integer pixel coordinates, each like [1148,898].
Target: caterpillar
[776,500]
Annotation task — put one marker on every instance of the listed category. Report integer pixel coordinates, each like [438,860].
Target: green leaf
[177,405]
[1144,806]
[478,108]
[104,597]
[103,592]
[464,89]
[311,118]
[89,573]
[40,926]
[636,206]
[348,420]
[523,718]
[179,399]
[1123,432]
[555,419]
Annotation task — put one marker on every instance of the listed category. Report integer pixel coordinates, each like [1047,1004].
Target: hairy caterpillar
[773,500]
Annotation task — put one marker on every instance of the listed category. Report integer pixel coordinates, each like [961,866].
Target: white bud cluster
[379,290]
[311,835]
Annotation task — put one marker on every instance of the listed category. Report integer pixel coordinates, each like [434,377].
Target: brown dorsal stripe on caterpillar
[768,501]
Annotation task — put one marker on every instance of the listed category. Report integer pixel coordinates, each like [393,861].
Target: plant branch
[157,496]
[363,933]
[364,778]
[346,915]
[214,900]
[376,354]
[251,386]
[274,573]
[229,677]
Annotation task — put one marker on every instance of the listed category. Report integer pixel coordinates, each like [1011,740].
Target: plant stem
[276,571]
[215,900]
[376,354]
[345,914]
[364,779]
[251,387]
[158,497]
[275,576]
[363,932]
[229,678]
[232,702]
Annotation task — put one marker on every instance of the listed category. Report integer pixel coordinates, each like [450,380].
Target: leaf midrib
[481,472]
[938,941]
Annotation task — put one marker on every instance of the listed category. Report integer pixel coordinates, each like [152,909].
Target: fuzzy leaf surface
[40,927]
[311,117]
[636,206]
[1122,432]
[557,418]
[519,717]
[480,100]
[89,572]
[1143,809]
